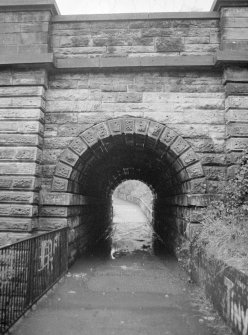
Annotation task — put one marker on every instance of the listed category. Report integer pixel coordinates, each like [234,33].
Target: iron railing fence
[28,269]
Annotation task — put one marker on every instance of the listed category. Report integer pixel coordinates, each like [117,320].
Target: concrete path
[136,293]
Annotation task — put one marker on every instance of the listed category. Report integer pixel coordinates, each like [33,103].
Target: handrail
[30,238]
[28,269]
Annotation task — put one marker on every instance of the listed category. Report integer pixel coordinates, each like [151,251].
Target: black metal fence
[28,269]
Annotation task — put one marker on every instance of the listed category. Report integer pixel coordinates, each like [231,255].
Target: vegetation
[137,189]
[224,230]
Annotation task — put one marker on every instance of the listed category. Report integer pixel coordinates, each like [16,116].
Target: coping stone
[218,4]
[29,5]
[137,16]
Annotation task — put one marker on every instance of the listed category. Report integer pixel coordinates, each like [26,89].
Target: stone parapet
[219,4]
[131,36]
[25,25]
[29,5]
[137,16]
[233,24]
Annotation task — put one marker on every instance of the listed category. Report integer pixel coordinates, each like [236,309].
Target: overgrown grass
[224,231]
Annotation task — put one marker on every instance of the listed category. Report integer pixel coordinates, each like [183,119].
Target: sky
[131,6]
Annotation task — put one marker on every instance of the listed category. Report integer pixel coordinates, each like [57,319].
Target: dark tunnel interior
[143,150]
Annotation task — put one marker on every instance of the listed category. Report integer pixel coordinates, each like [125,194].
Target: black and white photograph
[123,167]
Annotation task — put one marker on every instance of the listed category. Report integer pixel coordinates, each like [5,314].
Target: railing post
[30,274]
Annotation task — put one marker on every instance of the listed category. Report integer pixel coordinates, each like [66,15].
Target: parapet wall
[225,286]
[137,37]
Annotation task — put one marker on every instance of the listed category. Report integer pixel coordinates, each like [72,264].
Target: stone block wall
[24,31]
[22,107]
[44,106]
[24,35]
[234,38]
[190,102]
[89,233]
[133,38]
[236,86]
[234,29]
[81,214]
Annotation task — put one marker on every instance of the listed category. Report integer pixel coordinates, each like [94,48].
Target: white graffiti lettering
[235,311]
[7,271]
[47,252]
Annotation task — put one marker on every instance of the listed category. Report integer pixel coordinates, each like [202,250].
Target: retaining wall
[225,286]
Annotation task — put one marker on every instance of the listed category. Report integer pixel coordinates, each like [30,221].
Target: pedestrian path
[134,293]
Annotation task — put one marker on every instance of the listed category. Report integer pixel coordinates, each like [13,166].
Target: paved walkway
[137,293]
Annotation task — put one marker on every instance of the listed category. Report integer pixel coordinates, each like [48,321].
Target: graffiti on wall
[236,310]
[7,265]
[48,249]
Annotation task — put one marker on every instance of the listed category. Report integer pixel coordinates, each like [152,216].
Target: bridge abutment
[22,132]
[24,37]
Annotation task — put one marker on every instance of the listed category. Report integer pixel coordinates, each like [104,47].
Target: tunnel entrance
[104,155]
[132,225]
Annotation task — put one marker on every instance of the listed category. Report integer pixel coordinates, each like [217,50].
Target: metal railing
[28,269]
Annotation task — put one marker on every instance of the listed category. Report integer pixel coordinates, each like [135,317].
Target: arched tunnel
[103,156]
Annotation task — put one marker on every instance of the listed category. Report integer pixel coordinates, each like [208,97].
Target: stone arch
[106,154]
[92,144]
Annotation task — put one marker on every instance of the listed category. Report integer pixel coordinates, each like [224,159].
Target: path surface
[136,293]
[131,230]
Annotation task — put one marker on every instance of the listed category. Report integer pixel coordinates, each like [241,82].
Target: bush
[224,230]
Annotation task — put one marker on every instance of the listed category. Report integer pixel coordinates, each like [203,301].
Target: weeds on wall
[224,231]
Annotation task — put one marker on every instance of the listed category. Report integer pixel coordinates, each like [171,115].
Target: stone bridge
[89,101]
